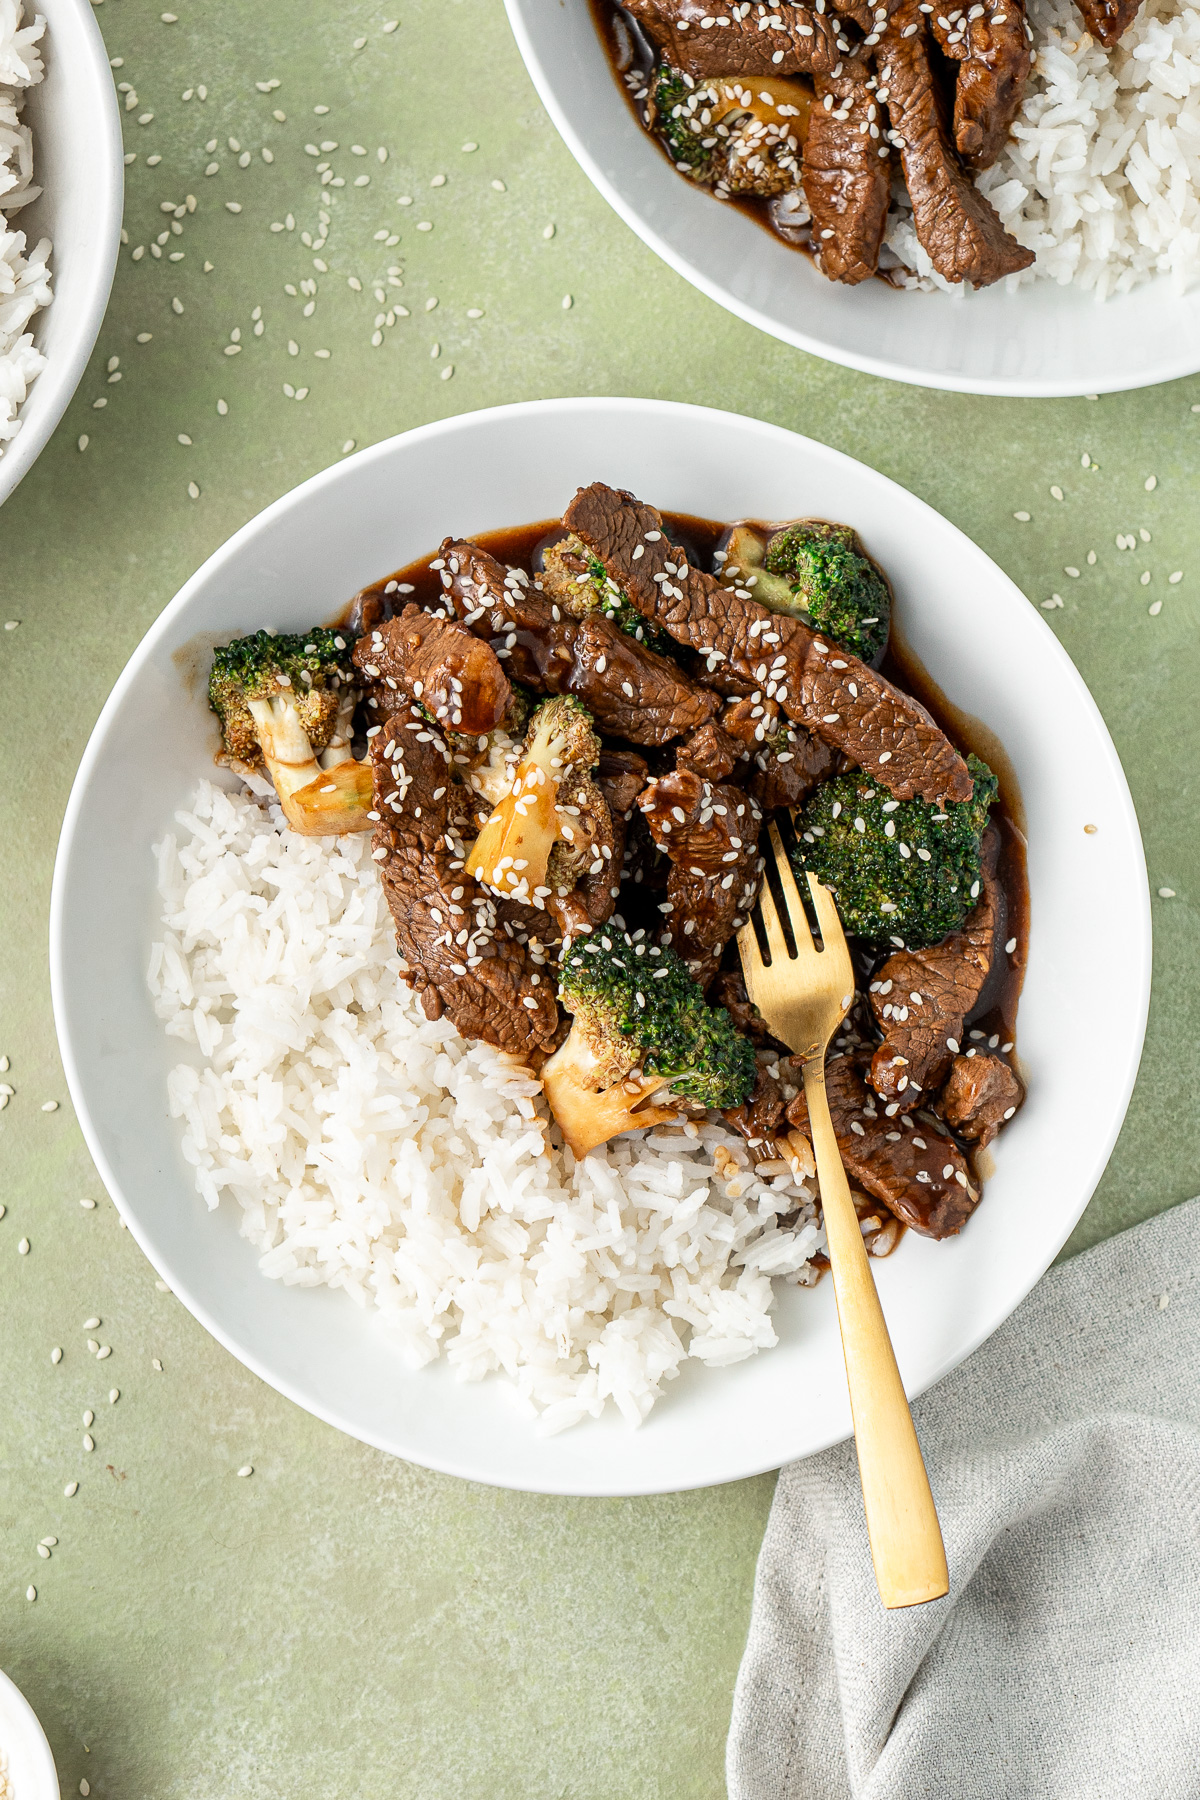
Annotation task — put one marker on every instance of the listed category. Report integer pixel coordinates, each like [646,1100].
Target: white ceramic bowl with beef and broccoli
[995,197]
[394,940]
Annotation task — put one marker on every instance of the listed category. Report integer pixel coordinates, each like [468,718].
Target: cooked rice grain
[1101,176]
[24,276]
[371,1149]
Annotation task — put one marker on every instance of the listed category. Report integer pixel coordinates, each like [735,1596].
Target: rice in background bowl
[25,281]
[72,198]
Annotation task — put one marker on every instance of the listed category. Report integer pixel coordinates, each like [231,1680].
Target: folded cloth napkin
[1064,1664]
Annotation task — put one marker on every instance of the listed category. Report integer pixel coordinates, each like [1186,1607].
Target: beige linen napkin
[1065,1662]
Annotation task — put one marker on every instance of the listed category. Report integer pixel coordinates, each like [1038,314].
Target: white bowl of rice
[362,1206]
[26,1764]
[61,190]
[1101,178]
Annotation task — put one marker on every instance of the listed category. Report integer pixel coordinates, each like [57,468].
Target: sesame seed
[1022,517]
[49,1106]
[56,1354]
[1150,483]
[1166,893]
[70,1491]
[246,1469]
[1056,493]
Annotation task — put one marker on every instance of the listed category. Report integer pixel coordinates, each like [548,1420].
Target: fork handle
[902,1523]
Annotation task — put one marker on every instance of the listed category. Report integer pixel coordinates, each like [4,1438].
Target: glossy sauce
[996,1013]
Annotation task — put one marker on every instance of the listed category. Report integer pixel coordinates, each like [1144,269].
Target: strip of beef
[596,851]
[991,42]
[788,761]
[923,1180]
[710,753]
[959,228]
[711,836]
[921,998]
[982,1094]
[456,955]
[762,1117]
[847,174]
[702,40]
[630,691]
[1108,20]
[621,775]
[420,656]
[729,990]
[852,707]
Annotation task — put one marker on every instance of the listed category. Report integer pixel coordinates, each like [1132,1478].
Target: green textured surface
[342,1623]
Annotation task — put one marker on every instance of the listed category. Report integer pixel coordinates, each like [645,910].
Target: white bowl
[1079,1034]
[78,162]
[31,1771]
[1043,340]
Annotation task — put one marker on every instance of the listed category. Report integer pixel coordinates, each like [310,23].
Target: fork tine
[832,935]
[776,941]
[791,894]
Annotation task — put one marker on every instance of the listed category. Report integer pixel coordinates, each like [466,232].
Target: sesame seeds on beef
[460,958]
[855,709]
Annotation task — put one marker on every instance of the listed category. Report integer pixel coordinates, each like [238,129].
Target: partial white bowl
[1079,1035]
[1044,340]
[78,162]
[31,1771]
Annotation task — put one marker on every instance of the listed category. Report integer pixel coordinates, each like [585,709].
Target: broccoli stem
[587,1111]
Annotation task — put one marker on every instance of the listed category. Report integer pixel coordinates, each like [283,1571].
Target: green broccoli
[284,700]
[580,584]
[900,871]
[840,589]
[641,1025]
[513,853]
[674,113]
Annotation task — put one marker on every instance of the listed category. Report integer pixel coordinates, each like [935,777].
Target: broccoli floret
[580,584]
[674,113]
[512,853]
[900,870]
[287,702]
[840,589]
[641,1026]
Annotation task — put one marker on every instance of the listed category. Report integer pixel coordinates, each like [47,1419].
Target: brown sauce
[746,204]
[996,1013]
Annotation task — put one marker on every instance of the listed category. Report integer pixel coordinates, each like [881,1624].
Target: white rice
[372,1150]
[1101,176]
[24,275]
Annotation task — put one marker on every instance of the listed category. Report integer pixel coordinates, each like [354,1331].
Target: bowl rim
[461,1464]
[64,370]
[17,1715]
[1168,368]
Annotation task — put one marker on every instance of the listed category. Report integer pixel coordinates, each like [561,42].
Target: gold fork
[804,998]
